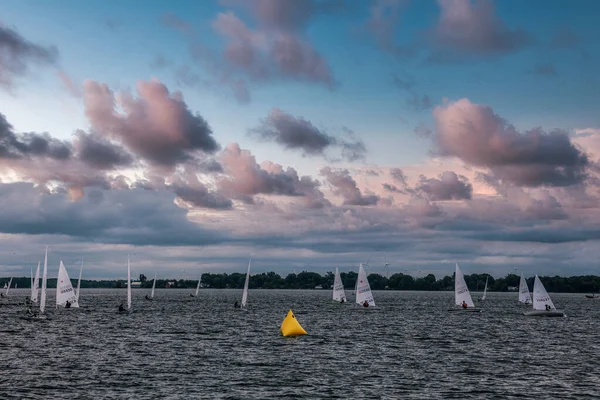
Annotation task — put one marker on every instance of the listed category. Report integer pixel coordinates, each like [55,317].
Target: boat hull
[591,296]
[468,309]
[544,313]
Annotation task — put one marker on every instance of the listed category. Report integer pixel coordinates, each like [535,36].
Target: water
[409,347]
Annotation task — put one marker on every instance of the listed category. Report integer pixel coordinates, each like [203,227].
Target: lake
[408,347]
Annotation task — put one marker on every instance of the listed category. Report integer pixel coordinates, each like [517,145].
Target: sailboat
[44,284]
[153,286]
[338,288]
[128,285]
[8,287]
[524,295]
[462,297]
[542,304]
[79,283]
[64,289]
[197,287]
[484,289]
[246,284]
[363,289]
[35,287]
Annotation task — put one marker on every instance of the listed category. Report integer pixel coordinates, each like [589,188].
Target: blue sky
[547,77]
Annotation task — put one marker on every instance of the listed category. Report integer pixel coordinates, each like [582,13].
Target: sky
[306,135]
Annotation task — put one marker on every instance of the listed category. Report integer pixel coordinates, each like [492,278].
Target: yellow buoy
[291,327]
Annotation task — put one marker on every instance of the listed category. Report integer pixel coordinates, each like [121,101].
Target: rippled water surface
[407,347]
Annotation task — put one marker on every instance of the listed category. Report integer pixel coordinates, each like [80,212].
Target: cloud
[245,178]
[448,187]
[478,136]
[345,186]
[13,146]
[384,18]
[263,54]
[565,38]
[544,70]
[470,28]
[137,216]
[157,125]
[99,152]
[297,133]
[71,87]
[18,55]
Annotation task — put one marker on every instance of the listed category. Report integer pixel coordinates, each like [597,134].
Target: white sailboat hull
[544,313]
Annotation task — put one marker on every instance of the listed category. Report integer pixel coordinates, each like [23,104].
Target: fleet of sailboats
[65,294]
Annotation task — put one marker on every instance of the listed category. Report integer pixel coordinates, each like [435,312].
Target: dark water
[409,347]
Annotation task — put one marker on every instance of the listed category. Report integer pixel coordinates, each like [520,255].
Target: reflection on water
[408,347]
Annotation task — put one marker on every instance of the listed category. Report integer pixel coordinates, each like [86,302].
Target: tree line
[312,280]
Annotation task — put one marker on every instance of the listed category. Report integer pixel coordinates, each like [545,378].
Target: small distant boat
[542,304]
[484,289]
[8,287]
[64,289]
[339,294]
[152,292]
[246,285]
[593,296]
[461,294]
[524,295]
[197,287]
[363,289]
[128,285]
[35,288]
[79,282]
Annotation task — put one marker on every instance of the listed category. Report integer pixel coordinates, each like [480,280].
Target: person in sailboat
[366,304]
[342,300]
[548,307]
[27,301]
[121,308]
[464,304]
[68,304]
[148,298]
[236,304]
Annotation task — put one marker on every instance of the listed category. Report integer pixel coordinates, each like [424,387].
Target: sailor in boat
[548,307]
[27,301]
[366,304]
[67,304]
[121,308]
[147,298]
[342,300]
[191,295]
[236,304]
[2,295]
[464,304]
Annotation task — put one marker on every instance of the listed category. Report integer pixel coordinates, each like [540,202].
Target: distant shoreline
[313,280]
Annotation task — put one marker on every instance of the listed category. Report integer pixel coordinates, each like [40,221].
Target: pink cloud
[157,125]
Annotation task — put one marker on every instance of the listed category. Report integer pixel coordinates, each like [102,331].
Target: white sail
[15,285]
[363,289]
[31,283]
[36,285]
[338,287]
[44,283]
[524,295]
[246,283]
[8,287]
[79,282]
[153,286]
[64,288]
[485,288]
[128,284]
[540,296]
[198,285]
[461,291]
